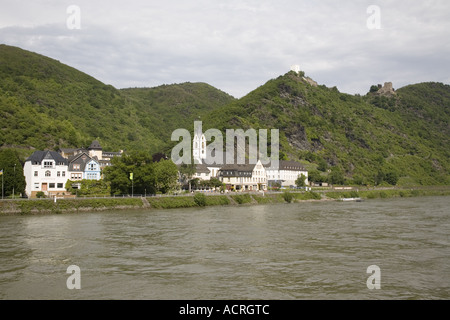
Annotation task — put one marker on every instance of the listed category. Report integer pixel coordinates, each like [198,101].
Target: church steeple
[199,143]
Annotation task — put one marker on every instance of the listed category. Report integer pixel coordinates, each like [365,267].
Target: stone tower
[95,150]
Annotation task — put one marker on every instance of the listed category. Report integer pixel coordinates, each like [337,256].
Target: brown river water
[310,250]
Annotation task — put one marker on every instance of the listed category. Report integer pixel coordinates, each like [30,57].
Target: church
[246,177]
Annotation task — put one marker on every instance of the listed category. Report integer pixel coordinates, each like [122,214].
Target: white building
[45,171]
[244,177]
[286,174]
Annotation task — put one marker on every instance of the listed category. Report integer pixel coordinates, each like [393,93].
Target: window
[48,173]
[36,185]
[51,185]
[48,164]
[35,173]
[60,186]
[63,173]
[58,174]
[91,176]
[76,176]
[76,167]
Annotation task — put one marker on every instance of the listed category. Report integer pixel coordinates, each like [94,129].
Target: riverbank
[49,206]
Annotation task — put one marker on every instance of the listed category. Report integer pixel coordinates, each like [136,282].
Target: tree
[315,176]
[166,175]
[187,171]
[13,177]
[216,183]
[117,175]
[391,177]
[138,163]
[300,182]
[374,88]
[358,180]
[336,176]
[379,178]
[322,165]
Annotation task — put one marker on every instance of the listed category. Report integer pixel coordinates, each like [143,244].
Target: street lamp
[14,181]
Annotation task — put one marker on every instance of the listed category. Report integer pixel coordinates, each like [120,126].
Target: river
[310,250]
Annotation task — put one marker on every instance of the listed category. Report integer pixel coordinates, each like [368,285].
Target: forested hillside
[46,104]
[402,138]
[367,139]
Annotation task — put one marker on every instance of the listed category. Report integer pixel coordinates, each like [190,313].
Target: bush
[354,194]
[200,199]
[314,195]
[241,199]
[371,195]
[288,197]
[40,194]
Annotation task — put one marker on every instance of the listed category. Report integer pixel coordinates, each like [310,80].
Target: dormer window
[48,164]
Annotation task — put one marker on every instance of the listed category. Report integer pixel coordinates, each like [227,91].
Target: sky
[238,45]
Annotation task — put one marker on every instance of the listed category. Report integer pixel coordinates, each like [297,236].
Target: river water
[310,250]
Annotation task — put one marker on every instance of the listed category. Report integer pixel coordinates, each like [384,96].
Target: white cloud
[238,45]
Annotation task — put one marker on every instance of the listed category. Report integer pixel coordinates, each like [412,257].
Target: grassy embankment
[67,205]
[200,200]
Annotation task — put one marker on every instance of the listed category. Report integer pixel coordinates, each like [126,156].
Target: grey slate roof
[95,145]
[82,159]
[288,165]
[202,168]
[39,156]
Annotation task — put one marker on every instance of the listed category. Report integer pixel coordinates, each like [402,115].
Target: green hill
[169,107]
[46,104]
[373,139]
[363,139]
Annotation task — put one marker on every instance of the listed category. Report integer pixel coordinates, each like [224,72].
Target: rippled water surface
[312,250]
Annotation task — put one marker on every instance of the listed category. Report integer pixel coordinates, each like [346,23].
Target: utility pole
[2,183]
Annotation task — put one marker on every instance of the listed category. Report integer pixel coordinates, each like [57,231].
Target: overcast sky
[238,45]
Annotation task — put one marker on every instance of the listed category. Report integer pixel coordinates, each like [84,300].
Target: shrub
[354,194]
[40,194]
[241,199]
[288,197]
[200,199]
[371,195]
[314,195]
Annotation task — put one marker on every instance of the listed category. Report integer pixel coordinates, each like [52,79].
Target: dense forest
[371,139]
